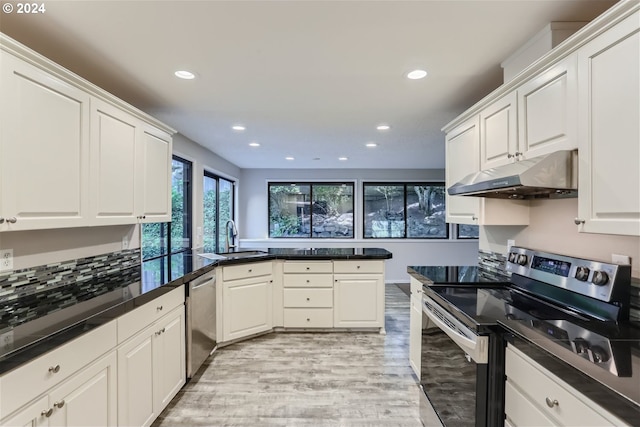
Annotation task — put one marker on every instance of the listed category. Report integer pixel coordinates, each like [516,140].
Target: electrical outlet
[620,259]
[6,259]
[6,339]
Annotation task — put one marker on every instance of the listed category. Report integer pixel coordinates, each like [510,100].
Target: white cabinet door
[89,398]
[44,149]
[35,414]
[609,154]
[415,334]
[247,307]
[547,110]
[136,381]
[499,132]
[358,301]
[462,159]
[114,161]
[155,179]
[169,358]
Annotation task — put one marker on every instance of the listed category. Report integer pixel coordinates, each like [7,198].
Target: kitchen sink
[233,255]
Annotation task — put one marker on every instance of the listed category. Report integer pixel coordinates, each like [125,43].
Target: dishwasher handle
[204,280]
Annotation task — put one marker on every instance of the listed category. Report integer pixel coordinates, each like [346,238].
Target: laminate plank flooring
[307,379]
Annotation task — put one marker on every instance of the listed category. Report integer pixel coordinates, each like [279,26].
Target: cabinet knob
[47,413]
[59,404]
[1,220]
[510,156]
[308,320]
[159,308]
[54,369]
[551,403]
[308,268]
[518,154]
[578,221]
[308,281]
[474,218]
[357,267]
[308,299]
[250,270]
[12,220]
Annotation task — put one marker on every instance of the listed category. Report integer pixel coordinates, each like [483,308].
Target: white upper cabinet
[609,136]
[44,156]
[547,109]
[72,155]
[499,132]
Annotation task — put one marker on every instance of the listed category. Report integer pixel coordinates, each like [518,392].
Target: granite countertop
[40,322]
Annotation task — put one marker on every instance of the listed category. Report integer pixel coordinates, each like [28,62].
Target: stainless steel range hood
[550,176]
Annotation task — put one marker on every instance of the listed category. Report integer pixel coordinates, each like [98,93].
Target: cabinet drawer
[148,313]
[308,267]
[358,267]
[245,271]
[19,386]
[520,411]
[308,298]
[572,408]
[308,280]
[308,318]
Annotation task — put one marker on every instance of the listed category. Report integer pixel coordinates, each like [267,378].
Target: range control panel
[594,279]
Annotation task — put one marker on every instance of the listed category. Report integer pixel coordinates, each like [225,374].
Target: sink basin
[233,255]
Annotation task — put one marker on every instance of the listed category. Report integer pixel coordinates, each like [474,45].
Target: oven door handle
[478,349]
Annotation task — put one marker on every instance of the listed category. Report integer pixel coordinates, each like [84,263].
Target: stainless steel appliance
[201,320]
[573,309]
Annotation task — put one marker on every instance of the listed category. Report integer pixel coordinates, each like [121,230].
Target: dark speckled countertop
[112,295]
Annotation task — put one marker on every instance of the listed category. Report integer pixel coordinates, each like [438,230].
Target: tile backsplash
[54,286]
[493,262]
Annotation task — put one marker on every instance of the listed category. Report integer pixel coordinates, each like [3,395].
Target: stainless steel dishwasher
[201,320]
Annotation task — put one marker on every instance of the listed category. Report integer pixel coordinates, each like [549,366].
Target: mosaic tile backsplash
[493,262]
[34,292]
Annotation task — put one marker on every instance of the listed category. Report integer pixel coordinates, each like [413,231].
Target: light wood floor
[307,379]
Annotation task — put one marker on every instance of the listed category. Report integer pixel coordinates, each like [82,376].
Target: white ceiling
[309,79]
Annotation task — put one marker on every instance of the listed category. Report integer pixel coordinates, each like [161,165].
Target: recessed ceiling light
[290,158]
[417,74]
[371,144]
[183,74]
[342,159]
[383,127]
[254,144]
[239,128]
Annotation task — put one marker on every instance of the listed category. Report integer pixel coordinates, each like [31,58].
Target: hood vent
[551,176]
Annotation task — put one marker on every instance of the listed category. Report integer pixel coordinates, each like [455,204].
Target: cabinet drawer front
[520,411]
[308,267]
[308,280]
[308,298]
[538,386]
[358,266]
[19,386]
[235,272]
[308,318]
[148,313]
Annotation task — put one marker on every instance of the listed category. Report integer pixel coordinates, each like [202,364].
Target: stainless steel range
[573,309]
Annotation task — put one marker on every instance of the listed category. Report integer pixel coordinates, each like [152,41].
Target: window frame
[404,185]
[219,226]
[351,184]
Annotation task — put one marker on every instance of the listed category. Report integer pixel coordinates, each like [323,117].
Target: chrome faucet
[233,231]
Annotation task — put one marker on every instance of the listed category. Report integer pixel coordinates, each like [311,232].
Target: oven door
[454,373]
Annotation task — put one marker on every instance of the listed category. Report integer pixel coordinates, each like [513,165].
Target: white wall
[552,229]
[253,218]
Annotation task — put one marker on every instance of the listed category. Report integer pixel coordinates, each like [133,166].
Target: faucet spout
[231,231]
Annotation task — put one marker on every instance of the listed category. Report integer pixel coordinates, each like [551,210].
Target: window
[405,210]
[218,199]
[311,210]
[164,238]
[465,231]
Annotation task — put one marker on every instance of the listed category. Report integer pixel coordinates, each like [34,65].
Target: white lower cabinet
[87,398]
[151,370]
[358,294]
[247,300]
[308,294]
[415,327]
[535,397]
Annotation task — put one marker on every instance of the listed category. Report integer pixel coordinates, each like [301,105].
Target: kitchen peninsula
[70,337]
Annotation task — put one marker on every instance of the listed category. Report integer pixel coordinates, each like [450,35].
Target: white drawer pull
[551,403]
[54,369]
[47,413]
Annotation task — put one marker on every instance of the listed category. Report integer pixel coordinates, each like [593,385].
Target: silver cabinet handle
[308,299]
[47,413]
[1,220]
[159,308]
[551,403]
[54,369]
[357,267]
[518,154]
[578,221]
[12,220]
[59,404]
[474,218]
[510,156]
